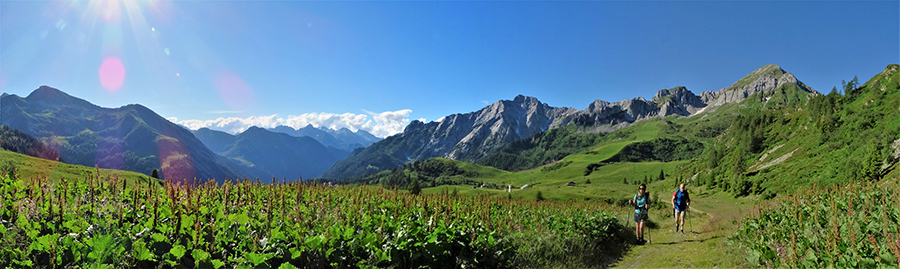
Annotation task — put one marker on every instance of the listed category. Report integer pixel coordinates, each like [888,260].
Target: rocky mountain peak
[412,126]
[764,79]
[769,69]
[673,92]
[521,99]
[891,69]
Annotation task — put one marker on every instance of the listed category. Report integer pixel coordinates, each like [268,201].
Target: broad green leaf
[178,251]
[255,259]
[36,246]
[277,234]
[102,246]
[159,237]
[295,253]
[241,218]
[315,242]
[217,263]
[287,266]
[200,255]
[187,223]
[142,253]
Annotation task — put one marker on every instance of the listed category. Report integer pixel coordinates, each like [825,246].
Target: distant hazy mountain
[217,141]
[352,139]
[342,139]
[472,136]
[276,154]
[131,137]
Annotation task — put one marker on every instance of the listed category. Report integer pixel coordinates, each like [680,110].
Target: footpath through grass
[704,243]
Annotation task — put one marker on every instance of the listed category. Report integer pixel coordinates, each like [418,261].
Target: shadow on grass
[690,240]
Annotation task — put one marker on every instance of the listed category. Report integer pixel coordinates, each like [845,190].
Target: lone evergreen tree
[661,175]
[414,188]
[155,173]
[540,196]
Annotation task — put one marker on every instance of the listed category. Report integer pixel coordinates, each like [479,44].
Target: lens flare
[110,10]
[236,93]
[112,74]
[175,160]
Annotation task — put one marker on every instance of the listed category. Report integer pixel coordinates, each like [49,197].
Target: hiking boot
[682,231]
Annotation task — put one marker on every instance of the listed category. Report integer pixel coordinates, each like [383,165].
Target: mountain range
[472,136]
[274,152]
[343,139]
[134,138]
[131,137]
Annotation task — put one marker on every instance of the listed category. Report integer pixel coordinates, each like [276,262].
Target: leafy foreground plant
[857,225]
[105,222]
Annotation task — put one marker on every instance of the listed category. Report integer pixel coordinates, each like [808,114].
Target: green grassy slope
[835,139]
[606,183]
[34,168]
[770,145]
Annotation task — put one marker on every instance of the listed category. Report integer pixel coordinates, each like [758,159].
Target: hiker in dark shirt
[681,200]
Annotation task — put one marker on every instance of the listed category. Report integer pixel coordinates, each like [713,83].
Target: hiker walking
[641,203]
[681,200]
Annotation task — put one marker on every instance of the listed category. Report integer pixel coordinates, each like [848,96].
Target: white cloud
[233,124]
[382,124]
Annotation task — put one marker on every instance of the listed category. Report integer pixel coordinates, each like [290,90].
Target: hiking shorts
[679,213]
[640,217]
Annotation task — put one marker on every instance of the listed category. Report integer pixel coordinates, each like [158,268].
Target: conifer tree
[415,188]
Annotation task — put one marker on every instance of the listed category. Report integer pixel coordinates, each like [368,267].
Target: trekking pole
[689,221]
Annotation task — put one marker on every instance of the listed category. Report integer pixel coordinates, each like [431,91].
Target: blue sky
[376,65]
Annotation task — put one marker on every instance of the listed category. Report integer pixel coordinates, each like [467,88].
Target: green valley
[562,202]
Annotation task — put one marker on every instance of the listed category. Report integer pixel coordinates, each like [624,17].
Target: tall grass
[851,225]
[97,221]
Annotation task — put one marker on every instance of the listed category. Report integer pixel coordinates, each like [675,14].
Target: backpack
[639,203]
[681,199]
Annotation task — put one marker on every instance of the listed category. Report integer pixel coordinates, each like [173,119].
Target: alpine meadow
[294,134]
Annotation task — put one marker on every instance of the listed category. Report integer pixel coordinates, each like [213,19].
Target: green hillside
[769,144]
[773,144]
[31,168]
[835,139]
[606,183]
